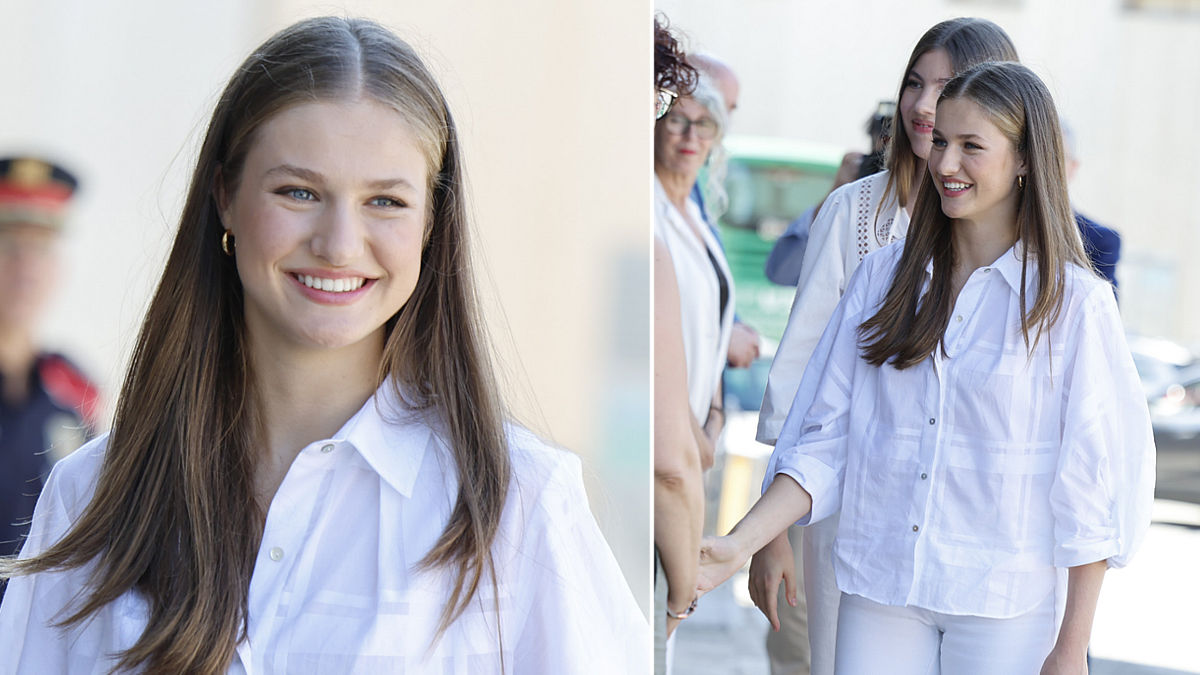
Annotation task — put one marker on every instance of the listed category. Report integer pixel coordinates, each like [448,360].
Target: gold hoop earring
[227,244]
[1020,182]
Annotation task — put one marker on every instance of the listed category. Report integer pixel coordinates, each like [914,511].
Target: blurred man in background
[48,408]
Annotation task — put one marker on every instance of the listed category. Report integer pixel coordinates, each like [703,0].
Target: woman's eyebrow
[296,171]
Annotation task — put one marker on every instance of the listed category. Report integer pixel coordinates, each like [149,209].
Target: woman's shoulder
[538,465]
[867,190]
[851,203]
[73,479]
[880,264]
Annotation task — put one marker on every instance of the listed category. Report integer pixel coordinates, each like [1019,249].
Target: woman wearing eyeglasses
[693,320]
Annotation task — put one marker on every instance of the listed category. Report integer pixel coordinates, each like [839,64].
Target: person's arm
[743,345]
[1069,655]
[678,488]
[782,504]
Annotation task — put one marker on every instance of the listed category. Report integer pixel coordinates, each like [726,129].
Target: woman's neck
[678,186]
[980,243]
[306,395]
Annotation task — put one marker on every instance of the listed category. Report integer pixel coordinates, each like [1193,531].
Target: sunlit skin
[678,157]
[974,168]
[918,101]
[29,270]
[332,190]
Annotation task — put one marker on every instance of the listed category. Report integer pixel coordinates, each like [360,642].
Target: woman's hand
[1065,662]
[720,557]
[773,563]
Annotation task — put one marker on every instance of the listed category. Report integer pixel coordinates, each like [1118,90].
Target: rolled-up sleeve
[812,442]
[1104,487]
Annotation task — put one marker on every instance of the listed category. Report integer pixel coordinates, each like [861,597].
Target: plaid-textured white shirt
[966,480]
[335,588]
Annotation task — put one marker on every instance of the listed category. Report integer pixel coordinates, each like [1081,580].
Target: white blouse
[706,329]
[850,225]
[336,589]
[965,480]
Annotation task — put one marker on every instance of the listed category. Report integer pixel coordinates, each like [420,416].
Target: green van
[770,182]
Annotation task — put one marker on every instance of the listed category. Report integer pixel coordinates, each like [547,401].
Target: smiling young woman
[856,219]
[310,468]
[974,413]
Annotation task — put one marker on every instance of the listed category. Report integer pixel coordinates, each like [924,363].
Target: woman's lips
[330,288]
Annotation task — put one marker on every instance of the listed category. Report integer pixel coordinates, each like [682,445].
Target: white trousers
[875,638]
[821,591]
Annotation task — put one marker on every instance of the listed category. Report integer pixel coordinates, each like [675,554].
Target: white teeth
[332,285]
[956,186]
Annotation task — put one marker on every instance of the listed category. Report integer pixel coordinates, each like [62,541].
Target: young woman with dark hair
[855,219]
[973,410]
[310,468]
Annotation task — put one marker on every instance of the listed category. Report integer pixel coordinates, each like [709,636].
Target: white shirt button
[932,420]
[915,528]
[276,553]
[986,270]
[327,448]
[924,476]
[958,318]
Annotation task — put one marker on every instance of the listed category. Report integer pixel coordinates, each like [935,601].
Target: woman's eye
[912,84]
[939,143]
[386,202]
[298,193]
[972,146]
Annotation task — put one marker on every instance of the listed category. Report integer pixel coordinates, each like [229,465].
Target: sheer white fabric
[966,480]
[850,225]
[336,587]
[706,331]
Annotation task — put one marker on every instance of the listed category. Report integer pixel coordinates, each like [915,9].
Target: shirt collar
[1008,265]
[390,436]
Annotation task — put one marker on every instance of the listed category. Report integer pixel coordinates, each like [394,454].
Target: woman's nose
[338,235]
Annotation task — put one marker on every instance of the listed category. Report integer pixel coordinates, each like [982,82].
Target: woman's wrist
[680,611]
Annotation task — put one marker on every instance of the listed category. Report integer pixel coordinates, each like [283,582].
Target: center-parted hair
[908,327]
[174,516]
[967,41]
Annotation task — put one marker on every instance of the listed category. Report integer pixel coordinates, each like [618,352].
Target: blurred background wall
[552,101]
[1124,73]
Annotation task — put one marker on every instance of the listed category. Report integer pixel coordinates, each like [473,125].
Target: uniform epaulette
[70,388]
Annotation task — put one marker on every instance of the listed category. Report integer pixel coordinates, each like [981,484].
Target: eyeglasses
[706,128]
[663,100]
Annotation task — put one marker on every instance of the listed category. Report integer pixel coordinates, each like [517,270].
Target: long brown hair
[906,328]
[967,41]
[174,515]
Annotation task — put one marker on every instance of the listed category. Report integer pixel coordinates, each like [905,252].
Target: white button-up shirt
[854,220]
[966,480]
[336,587]
[706,330]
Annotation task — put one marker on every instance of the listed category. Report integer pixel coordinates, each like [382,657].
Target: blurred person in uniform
[1102,244]
[48,408]
[786,259]
[744,341]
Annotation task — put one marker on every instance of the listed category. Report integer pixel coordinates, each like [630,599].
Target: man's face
[28,272]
